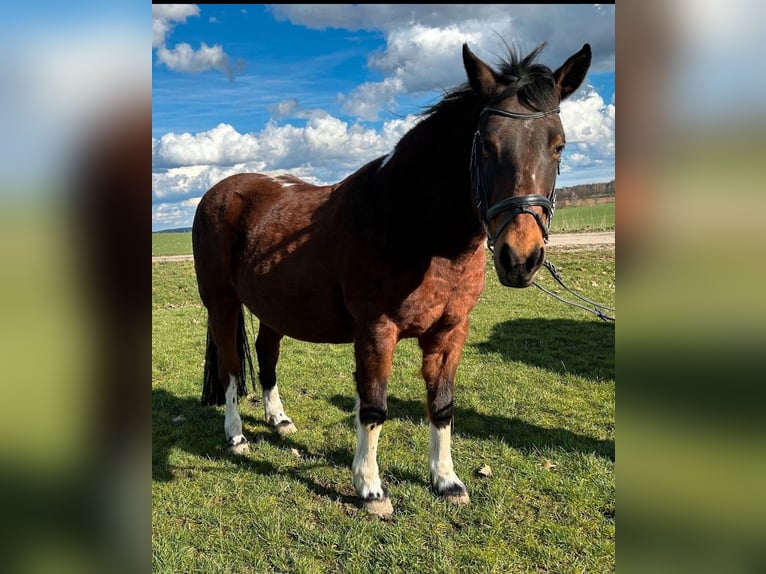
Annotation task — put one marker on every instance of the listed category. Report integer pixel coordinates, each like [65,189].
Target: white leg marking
[275,412]
[232,423]
[365,465]
[443,477]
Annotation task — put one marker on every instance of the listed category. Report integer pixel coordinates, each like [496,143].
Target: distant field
[587,218]
[566,220]
[171,244]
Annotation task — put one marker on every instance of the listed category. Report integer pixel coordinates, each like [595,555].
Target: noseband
[513,205]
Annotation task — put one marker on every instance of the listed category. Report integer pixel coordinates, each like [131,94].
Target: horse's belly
[304,312]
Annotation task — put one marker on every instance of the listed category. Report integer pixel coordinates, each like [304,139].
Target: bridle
[513,205]
[521,204]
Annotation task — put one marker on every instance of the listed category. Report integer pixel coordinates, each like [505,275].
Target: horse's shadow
[583,348]
[516,433]
[183,423]
[198,430]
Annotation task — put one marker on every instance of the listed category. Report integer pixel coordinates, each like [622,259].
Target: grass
[171,243]
[566,220]
[586,218]
[534,401]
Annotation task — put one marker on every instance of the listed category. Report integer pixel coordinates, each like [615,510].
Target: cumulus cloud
[565,27]
[164,16]
[182,57]
[169,215]
[421,55]
[325,150]
[369,99]
[284,108]
[589,126]
[423,42]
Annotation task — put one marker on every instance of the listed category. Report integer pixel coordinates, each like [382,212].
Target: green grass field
[171,243]
[566,220]
[534,401]
[585,218]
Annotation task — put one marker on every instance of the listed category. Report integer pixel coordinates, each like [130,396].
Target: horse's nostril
[535,259]
[506,260]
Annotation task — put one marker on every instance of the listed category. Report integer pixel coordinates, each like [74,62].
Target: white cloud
[221,145]
[172,215]
[284,108]
[325,150]
[417,59]
[424,42]
[422,54]
[369,99]
[163,15]
[566,27]
[589,127]
[182,57]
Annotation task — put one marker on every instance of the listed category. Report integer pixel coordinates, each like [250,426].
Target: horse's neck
[428,185]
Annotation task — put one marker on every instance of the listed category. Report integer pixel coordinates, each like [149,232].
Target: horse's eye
[559,149]
[487,146]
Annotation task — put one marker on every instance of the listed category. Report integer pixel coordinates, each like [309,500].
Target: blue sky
[319,90]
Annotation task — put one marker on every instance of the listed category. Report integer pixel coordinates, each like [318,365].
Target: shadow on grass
[514,432]
[583,348]
[200,432]
[183,423]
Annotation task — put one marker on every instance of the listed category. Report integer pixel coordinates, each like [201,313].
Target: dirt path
[582,240]
[572,239]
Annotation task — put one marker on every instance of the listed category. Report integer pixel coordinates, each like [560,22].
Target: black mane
[533,84]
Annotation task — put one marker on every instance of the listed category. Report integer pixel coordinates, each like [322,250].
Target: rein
[597,307]
[521,204]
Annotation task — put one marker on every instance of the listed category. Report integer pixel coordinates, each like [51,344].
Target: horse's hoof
[286,427]
[453,492]
[238,445]
[380,507]
[460,499]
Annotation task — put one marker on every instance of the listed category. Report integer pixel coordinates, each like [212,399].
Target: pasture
[583,218]
[534,405]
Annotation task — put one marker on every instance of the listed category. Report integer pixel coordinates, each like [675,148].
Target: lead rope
[597,307]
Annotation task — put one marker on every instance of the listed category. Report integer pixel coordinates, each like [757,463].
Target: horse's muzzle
[515,270]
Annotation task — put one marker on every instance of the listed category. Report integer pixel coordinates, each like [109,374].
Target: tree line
[585,193]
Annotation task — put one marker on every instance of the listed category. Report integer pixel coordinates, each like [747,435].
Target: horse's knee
[441,404]
[372,415]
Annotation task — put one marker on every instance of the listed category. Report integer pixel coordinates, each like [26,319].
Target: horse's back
[272,243]
[222,219]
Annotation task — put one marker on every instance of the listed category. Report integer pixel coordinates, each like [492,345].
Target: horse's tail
[213,390]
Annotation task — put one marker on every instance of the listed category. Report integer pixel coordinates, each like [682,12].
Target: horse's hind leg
[267,349]
[224,320]
[441,354]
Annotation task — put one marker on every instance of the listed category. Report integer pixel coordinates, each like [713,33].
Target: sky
[319,90]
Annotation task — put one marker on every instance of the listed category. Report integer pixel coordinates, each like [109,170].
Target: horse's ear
[571,74]
[481,77]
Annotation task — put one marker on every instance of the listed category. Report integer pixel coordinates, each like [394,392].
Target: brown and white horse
[396,250]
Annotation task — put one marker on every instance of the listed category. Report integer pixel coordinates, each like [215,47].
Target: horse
[395,250]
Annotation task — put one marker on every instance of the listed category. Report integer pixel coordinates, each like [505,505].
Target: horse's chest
[444,298]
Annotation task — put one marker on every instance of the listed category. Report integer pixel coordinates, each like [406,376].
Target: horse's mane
[533,84]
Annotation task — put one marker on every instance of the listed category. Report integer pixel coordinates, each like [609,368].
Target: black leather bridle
[513,205]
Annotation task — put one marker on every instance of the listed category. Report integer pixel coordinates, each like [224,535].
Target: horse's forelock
[533,83]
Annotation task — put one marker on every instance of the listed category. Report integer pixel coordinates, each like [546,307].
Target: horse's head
[516,153]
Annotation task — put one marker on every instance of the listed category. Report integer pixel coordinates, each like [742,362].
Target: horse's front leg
[441,354]
[374,351]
